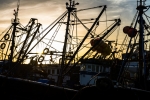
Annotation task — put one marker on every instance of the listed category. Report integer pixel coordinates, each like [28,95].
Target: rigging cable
[106,20]
[127,56]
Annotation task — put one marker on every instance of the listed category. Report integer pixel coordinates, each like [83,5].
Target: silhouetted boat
[18,83]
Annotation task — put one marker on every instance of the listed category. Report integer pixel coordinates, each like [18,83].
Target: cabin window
[89,67]
[53,71]
[93,68]
[104,69]
[49,71]
[101,68]
[57,71]
[97,68]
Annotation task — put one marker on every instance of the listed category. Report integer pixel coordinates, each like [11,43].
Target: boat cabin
[90,70]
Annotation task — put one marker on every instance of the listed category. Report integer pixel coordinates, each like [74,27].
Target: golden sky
[46,11]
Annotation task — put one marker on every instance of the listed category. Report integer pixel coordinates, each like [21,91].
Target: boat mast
[70,7]
[15,22]
[141,7]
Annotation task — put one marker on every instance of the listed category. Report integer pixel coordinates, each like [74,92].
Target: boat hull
[21,89]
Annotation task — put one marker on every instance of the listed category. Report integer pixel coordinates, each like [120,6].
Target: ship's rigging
[74,47]
[32,33]
[68,55]
[136,36]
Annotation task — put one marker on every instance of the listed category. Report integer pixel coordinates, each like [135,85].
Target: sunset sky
[46,11]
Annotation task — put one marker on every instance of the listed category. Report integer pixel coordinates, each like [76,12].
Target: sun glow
[52,36]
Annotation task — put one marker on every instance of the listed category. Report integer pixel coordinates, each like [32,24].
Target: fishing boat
[132,79]
[27,81]
[20,81]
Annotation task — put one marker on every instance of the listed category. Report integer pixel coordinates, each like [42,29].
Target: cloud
[48,10]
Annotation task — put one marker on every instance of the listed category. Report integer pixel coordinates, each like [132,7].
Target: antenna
[18,5]
[16,12]
[15,22]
